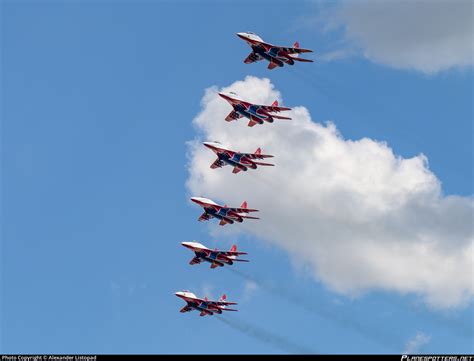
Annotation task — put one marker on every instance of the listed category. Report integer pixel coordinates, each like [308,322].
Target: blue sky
[98,101]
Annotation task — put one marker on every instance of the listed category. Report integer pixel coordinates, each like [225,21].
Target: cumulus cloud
[415,344]
[357,215]
[250,287]
[428,36]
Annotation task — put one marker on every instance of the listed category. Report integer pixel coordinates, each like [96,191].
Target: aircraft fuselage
[236,160]
[223,213]
[272,55]
[212,258]
[252,112]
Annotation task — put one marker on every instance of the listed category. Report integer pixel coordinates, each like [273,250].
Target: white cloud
[413,346]
[428,36]
[250,287]
[358,215]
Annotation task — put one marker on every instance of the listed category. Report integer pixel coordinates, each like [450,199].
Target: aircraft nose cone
[195,200]
[240,35]
[208,145]
[186,244]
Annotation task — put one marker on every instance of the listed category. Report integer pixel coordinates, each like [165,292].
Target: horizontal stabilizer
[249,217]
[280,117]
[302,60]
[195,260]
[265,164]
[252,57]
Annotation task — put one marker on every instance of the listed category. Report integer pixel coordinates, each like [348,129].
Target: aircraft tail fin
[258,151]
[223,298]
[244,205]
[275,103]
[233,248]
[296,45]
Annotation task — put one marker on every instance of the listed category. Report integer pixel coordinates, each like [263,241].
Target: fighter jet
[224,213]
[276,55]
[240,161]
[205,306]
[215,257]
[258,114]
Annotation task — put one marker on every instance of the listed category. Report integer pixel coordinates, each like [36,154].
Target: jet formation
[277,56]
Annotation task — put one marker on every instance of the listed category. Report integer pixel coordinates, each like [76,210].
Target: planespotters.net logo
[436,358]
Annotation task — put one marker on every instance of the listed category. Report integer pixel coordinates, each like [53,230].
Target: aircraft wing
[204,217]
[252,58]
[233,115]
[256,156]
[272,65]
[217,164]
[185,309]
[195,260]
[225,221]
